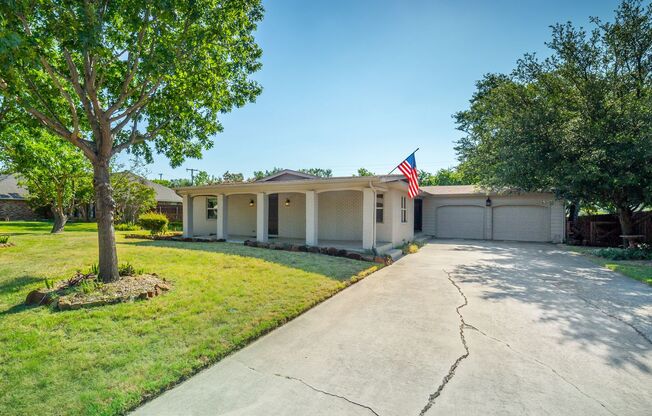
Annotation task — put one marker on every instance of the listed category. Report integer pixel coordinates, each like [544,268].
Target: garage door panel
[521,223]
[459,221]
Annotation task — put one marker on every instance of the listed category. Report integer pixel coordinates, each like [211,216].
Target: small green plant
[89,285]
[154,222]
[49,283]
[127,269]
[4,239]
[410,247]
[94,269]
[128,226]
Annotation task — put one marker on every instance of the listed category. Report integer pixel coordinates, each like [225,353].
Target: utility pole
[192,175]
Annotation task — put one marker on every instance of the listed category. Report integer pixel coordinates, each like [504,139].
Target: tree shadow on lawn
[595,306]
[337,268]
[41,227]
[17,284]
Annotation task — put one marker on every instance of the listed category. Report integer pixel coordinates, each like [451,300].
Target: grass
[640,270]
[105,361]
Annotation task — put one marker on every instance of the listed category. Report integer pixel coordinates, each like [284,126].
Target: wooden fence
[604,230]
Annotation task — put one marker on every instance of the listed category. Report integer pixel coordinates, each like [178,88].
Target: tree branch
[137,138]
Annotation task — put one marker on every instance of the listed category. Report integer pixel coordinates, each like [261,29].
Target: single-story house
[13,201]
[363,212]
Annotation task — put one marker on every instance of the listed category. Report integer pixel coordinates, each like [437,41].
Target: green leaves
[578,123]
[156,74]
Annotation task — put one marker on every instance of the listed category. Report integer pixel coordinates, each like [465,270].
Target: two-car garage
[468,213]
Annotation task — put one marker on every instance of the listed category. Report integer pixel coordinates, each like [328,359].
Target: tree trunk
[625,215]
[104,211]
[60,219]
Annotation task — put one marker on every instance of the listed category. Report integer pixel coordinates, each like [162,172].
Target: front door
[272,219]
[418,214]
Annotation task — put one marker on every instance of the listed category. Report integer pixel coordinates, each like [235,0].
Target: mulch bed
[68,294]
[171,236]
[329,251]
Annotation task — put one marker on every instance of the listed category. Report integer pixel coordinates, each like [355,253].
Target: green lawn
[638,270]
[107,360]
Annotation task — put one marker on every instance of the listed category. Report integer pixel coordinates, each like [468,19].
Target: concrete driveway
[459,328]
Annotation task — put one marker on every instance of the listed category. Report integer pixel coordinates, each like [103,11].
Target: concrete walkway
[459,328]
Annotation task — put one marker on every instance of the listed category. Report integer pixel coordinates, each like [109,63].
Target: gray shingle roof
[9,188]
[454,190]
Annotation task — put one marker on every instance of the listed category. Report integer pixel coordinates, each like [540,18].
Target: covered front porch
[329,215]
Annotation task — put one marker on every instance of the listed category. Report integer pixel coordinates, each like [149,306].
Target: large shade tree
[54,172]
[144,76]
[578,123]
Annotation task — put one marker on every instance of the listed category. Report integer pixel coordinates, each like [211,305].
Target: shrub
[127,226]
[4,239]
[641,252]
[154,222]
[410,247]
[127,269]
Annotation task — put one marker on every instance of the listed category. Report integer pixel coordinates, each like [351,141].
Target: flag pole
[390,172]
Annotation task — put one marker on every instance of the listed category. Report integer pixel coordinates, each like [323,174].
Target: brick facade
[12,210]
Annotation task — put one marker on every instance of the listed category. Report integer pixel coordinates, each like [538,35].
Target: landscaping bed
[329,251]
[83,291]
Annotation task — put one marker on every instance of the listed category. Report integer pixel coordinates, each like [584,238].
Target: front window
[403,209]
[380,212]
[211,208]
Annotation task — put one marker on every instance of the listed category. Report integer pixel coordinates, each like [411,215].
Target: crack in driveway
[313,388]
[612,316]
[453,368]
[541,363]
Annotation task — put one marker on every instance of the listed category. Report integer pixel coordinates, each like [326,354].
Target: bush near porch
[107,360]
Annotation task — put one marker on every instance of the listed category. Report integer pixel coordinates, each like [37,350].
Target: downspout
[373,217]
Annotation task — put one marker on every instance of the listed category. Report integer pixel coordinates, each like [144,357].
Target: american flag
[409,168]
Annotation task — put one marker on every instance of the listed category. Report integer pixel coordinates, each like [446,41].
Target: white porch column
[368,218]
[312,214]
[187,216]
[262,216]
[222,206]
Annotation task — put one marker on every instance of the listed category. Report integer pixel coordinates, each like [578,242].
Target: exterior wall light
[251,202]
[488,202]
[287,202]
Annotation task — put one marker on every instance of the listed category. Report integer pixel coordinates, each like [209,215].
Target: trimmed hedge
[154,222]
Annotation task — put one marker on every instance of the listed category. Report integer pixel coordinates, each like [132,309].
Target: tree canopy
[446,176]
[55,173]
[143,76]
[578,123]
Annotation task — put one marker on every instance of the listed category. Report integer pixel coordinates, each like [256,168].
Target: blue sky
[351,84]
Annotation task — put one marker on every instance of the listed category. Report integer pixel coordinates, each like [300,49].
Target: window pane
[379,215]
[211,208]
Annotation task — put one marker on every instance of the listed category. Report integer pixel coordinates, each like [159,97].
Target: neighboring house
[13,201]
[167,201]
[367,212]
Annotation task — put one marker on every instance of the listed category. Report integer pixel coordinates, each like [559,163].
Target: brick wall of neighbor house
[241,218]
[292,218]
[16,211]
[340,215]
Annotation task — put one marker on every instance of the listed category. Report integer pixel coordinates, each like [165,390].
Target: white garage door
[458,221]
[521,223]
